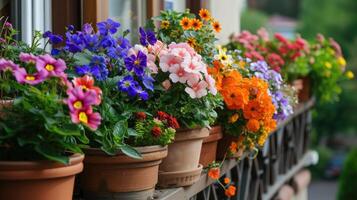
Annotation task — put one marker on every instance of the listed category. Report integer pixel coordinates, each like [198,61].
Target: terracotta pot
[5,104]
[209,146]
[42,180]
[118,177]
[183,157]
[303,87]
[223,147]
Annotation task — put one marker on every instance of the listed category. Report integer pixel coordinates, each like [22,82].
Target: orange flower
[253,125]
[214,173]
[233,118]
[227,180]
[253,110]
[270,125]
[196,24]
[230,191]
[192,42]
[186,23]
[233,148]
[216,26]
[235,97]
[204,14]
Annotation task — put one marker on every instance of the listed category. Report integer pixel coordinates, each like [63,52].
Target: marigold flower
[216,26]
[165,24]
[196,24]
[227,180]
[156,131]
[235,97]
[186,23]
[230,191]
[253,125]
[214,173]
[233,118]
[205,14]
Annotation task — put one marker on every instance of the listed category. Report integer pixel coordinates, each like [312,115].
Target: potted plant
[254,102]
[125,152]
[188,92]
[288,57]
[43,132]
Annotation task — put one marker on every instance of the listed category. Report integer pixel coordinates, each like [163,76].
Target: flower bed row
[144,114]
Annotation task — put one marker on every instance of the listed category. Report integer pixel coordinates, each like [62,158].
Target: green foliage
[38,125]
[348,179]
[252,20]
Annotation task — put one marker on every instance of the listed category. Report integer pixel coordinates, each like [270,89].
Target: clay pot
[209,146]
[223,147]
[42,180]
[120,176]
[303,87]
[5,104]
[183,158]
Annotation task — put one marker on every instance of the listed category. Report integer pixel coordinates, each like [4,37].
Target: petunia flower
[86,83]
[86,117]
[78,99]
[50,66]
[32,79]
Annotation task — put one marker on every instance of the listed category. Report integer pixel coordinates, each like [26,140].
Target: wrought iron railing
[284,154]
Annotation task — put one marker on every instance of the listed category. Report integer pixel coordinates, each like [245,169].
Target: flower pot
[5,104]
[303,87]
[182,162]
[209,146]
[42,180]
[223,147]
[121,177]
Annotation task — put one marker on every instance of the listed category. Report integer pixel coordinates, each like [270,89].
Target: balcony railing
[284,154]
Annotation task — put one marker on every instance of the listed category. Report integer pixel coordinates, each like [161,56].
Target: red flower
[281,38]
[140,115]
[162,115]
[173,123]
[156,131]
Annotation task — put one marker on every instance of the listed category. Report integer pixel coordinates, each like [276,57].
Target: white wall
[227,12]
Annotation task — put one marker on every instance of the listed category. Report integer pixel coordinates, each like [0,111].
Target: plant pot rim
[191,134]
[44,169]
[149,153]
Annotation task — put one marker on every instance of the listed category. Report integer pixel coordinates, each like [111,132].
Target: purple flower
[90,41]
[83,70]
[136,63]
[127,84]
[50,65]
[107,41]
[147,37]
[52,38]
[100,72]
[142,93]
[123,43]
[148,82]
[27,57]
[7,65]
[108,26]
[98,60]
[32,79]
[70,28]
[87,28]
[116,52]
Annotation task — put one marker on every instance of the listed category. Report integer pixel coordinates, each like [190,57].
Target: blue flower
[123,43]
[147,37]
[55,52]
[83,70]
[148,82]
[52,38]
[127,84]
[142,93]
[107,41]
[97,60]
[116,52]
[87,28]
[70,28]
[108,26]
[100,72]
[90,41]
[136,63]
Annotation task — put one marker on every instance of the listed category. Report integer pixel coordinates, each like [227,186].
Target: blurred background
[335,125]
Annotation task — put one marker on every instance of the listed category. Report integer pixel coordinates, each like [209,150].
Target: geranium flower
[86,117]
[211,84]
[147,37]
[136,63]
[167,61]
[79,99]
[32,79]
[86,83]
[50,65]
[179,74]
[108,26]
[197,90]
[253,125]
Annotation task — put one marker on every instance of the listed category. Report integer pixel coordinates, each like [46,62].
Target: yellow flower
[204,14]
[223,57]
[196,24]
[216,26]
[192,42]
[165,24]
[262,139]
[328,65]
[186,23]
[349,74]
[233,118]
[241,64]
[341,61]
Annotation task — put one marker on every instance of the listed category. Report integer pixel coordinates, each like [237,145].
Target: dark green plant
[348,179]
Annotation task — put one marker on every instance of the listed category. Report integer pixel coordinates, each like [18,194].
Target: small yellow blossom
[328,65]
[165,24]
[349,74]
[341,61]
[233,118]
[225,59]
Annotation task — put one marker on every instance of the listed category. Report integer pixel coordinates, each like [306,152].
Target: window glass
[177,5]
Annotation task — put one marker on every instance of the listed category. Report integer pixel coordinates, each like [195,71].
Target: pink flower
[197,90]
[281,38]
[168,61]
[86,117]
[151,63]
[135,49]
[211,84]
[50,65]
[158,48]
[32,79]
[86,83]
[166,84]
[178,74]
[194,66]
[185,46]
[263,33]
[7,65]
[27,57]
[79,99]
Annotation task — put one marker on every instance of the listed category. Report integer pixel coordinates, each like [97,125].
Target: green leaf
[130,151]
[82,58]
[132,132]
[120,128]
[65,130]
[51,154]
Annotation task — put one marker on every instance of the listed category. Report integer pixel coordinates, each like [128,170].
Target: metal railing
[284,154]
